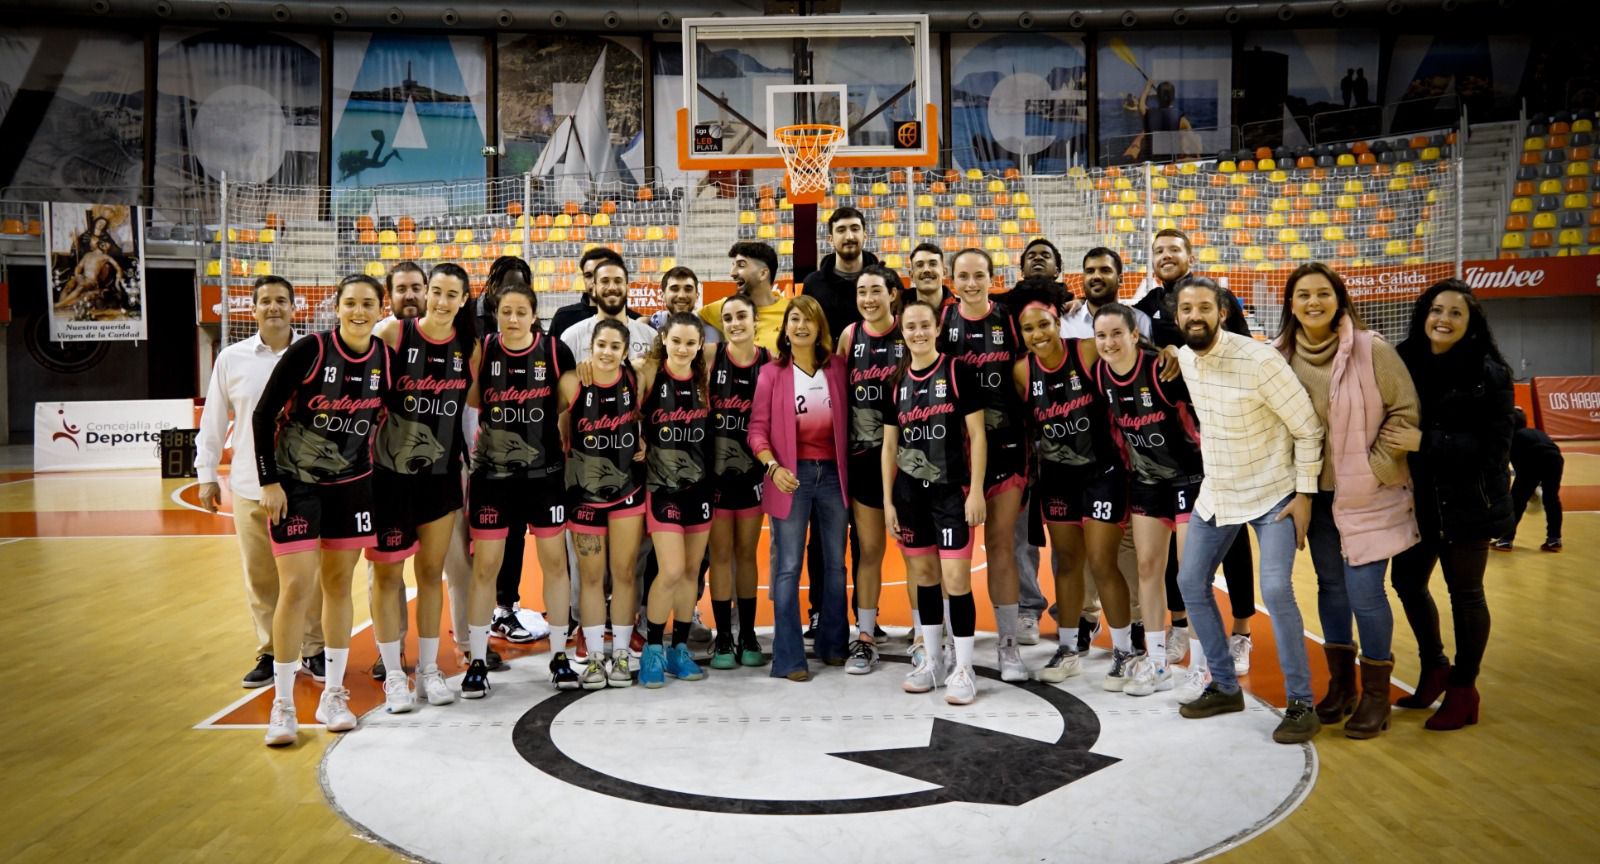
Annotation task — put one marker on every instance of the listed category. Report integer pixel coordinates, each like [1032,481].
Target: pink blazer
[773,427]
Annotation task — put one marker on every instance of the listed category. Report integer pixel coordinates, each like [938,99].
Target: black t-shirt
[836,292]
[1160,303]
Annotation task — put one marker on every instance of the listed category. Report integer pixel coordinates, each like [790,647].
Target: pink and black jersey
[422,433]
[518,417]
[677,420]
[326,430]
[930,409]
[870,366]
[1152,422]
[988,346]
[605,435]
[733,391]
[1071,426]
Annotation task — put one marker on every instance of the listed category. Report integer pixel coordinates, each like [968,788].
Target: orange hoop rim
[803,135]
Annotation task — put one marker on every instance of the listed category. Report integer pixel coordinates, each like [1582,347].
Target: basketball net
[807,152]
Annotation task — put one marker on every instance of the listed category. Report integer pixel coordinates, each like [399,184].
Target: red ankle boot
[1429,689]
[1460,709]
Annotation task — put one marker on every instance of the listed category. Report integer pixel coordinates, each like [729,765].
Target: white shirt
[640,337]
[1080,324]
[240,374]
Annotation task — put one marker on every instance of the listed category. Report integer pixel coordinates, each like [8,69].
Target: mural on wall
[82,130]
[1308,86]
[1430,76]
[1019,101]
[571,106]
[1164,95]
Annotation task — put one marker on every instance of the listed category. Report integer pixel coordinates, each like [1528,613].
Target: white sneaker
[922,678]
[1028,629]
[1191,683]
[1011,666]
[863,658]
[283,728]
[333,710]
[1065,664]
[594,673]
[621,672]
[1239,646]
[960,687]
[430,681]
[1177,644]
[1121,665]
[919,652]
[1147,678]
[397,695]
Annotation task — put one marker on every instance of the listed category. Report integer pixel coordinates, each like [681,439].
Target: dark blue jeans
[817,496]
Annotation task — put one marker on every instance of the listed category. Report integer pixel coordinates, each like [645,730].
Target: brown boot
[1341,698]
[1372,712]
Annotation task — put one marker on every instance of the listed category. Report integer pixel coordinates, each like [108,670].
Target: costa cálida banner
[95,272]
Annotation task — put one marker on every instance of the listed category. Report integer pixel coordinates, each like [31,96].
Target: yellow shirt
[769,321]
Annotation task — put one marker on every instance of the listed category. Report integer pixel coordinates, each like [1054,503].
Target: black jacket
[1532,452]
[1463,491]
[836,292]
[1160,303]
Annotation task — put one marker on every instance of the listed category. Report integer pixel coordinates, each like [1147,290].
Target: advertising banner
[1567,406]
[95,436]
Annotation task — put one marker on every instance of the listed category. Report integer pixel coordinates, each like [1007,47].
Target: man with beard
[834,283]
[1102,279]
[680,292]
[1170,263]
[572,313]
[927,278]
[610,302]
[754,267]
[237,380]
[1262,473]
[407,285]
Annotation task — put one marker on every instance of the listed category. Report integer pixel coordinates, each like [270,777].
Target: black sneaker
[378,672]
[1300,724]
[1088,628]
[878,633]
[811,627]
[1500,544]
[1552,544]
[475,684]
[506,626]
[1137,634]
[316,666]
[261,675]
[494,663]
[1213,702]
[562,674]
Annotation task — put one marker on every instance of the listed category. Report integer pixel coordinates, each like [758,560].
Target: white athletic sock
[1155,646]
[337,659]
[964,650]
[1067,637]
[932,641]
[283,680]
[1122,638]
[866,620]
[558,640]
[427,652]
[1005,622]
[620,637]
[390,652]
[916,619]
[594,640]
[478,642]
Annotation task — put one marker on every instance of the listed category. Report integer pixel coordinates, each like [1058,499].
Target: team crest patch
[1144,397]
[374,378]
[939,389]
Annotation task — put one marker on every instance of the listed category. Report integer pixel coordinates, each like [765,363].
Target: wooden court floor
[126,628]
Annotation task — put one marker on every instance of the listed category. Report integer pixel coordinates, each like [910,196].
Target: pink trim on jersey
[547,533]
[755,359]
[537,335]
[1048,521]
[314,366]
[988,307]
[417,325]
[865,327]
[744,513]
[917,551]
[395,557]
[338,345]
[281,549]
[1182,518]
[667,368]
[1039,362]
[1015,481]
[962,554]
[576,528]
[931,368]
[346,543]
[488,533]
[657,527]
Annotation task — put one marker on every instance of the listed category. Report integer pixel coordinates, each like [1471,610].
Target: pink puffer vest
[1375,521]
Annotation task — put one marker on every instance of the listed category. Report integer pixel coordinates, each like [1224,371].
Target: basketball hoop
[807,152]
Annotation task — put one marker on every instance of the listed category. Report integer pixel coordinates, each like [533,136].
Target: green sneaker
[722,653]
[1300,724]
[1213,702]
[750,651]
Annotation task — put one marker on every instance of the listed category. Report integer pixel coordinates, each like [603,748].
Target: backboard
[746,77]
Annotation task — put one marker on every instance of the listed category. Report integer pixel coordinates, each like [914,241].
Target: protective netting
[1391,227]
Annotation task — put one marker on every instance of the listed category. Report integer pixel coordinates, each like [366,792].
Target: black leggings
[1548,479]
[1238,572]
[508,584]
[1463,564]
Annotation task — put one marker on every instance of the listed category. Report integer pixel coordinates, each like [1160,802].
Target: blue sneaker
[681,665]
[653,667]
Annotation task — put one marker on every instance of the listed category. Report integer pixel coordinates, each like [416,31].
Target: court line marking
[9,540]
[10,482]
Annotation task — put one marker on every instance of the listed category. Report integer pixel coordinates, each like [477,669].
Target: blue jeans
[817,496]
[1030,599]
[1345,590]
[1203,550]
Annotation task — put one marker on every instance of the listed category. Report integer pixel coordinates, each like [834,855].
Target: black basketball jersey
[605,435]
[989,347]
[1152,422]
[676,422]
[930,409]
[518,418]
[422,432]
[326,431]
[870,366]
[1071,426]
[733,392]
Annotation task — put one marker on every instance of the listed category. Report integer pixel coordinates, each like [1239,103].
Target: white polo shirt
[577,337]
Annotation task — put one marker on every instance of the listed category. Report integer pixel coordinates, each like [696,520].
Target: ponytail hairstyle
[697,366]
[904,365]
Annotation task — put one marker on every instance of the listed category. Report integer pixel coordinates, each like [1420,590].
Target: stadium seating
[1557,183]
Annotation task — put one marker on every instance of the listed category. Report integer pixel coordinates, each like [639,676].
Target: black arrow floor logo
[968,763]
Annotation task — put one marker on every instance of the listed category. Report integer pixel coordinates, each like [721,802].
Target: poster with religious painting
[95,271]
